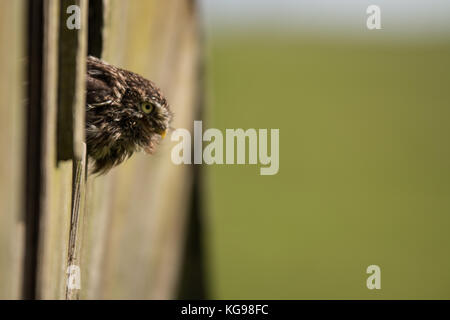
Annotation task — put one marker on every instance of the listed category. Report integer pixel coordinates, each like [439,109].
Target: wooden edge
[75,241]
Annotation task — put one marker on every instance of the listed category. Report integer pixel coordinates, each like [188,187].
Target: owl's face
[151,115]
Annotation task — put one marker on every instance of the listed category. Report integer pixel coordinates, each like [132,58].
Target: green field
[364,169]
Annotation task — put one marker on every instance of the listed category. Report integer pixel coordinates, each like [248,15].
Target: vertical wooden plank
[76,227]
[54,207]
[66,50]
[181,76]
[72,69]
[12,106]
[134,228]
[79,104]
[78,72]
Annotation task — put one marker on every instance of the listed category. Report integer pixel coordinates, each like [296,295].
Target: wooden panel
[125,230]
[71,84]
[12,55]
[55,198]
[57,194]
[134,227]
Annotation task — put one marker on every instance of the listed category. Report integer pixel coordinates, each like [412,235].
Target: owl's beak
[163,133]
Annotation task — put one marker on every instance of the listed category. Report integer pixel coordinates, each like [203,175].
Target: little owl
[124,113]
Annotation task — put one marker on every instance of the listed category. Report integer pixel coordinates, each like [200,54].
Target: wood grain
[12,122]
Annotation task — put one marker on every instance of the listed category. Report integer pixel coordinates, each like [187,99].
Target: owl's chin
[149,150]
[151,146]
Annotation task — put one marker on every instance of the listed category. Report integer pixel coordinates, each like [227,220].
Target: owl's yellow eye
[147,107]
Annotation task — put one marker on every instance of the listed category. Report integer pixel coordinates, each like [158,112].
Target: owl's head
[149,110]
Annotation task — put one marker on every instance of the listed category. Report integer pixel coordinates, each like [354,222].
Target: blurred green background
[364,167]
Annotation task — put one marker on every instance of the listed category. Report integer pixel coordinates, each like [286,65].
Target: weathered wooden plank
[79,104]
[78,70]
[76,226]
[57,208]
[134,228]
[12,106]
[72,69]
[180,76]
[54,200]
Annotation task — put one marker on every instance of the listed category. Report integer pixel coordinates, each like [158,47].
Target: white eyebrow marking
[157,104]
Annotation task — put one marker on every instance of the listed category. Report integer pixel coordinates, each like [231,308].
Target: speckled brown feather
[116,127]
